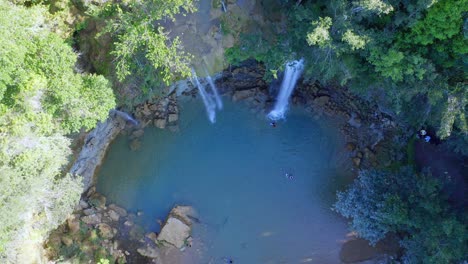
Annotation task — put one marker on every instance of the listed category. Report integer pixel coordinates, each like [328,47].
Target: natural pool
[233,173]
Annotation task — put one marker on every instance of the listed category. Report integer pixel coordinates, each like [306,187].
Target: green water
[233,173]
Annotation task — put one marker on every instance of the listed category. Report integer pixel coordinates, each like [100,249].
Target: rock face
[178,226]
[94,149]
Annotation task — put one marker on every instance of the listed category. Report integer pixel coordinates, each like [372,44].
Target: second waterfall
[291,75]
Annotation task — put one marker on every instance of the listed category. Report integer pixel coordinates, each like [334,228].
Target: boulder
[119,210]
[174,232]
[93,219]
[113,215]
[105,231]
[160,123]
[173,118]
[177,228]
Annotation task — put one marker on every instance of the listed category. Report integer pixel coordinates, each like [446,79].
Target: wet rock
[93,219]
[242,94]
[105,231]
[119,210]
[113,215]
[160,123]
[173,118]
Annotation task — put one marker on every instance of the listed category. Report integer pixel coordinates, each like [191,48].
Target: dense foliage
[42,99]
[143,55]
[411,205]
[408,55]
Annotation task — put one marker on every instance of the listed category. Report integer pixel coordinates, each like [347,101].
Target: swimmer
[289,176]
[273,124]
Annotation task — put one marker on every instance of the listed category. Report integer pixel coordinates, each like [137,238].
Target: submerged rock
[149,251]
[160,123]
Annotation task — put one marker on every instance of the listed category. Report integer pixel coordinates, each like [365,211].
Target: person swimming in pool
[289,176]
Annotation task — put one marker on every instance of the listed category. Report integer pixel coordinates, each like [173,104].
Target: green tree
[410,204]
[143,53]
[42,99]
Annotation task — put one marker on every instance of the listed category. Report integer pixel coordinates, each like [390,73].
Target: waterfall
[125,116]
[291,75]
[211,101]
[219,103]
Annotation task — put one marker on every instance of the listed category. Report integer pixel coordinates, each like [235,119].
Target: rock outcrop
[178,227]
[94,149]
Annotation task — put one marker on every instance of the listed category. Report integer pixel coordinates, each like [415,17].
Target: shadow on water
[263,194]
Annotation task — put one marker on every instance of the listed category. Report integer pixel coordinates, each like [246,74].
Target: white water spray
[219,103]
[291,75]
[210,100]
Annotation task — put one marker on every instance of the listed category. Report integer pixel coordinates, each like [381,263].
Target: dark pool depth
[233,173]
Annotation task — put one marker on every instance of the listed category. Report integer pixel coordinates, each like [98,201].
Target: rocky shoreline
[109,231]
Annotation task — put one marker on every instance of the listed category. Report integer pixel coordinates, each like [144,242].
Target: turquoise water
[233,173]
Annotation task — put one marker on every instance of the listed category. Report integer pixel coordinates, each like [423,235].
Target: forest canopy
[43,98]
[409,56]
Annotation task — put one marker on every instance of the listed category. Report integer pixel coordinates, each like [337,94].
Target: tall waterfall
[291,75]
[211,101]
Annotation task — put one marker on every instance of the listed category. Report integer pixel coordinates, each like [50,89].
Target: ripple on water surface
[233,173]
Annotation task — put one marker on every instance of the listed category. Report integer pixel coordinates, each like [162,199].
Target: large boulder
[178,226]
[174,232]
